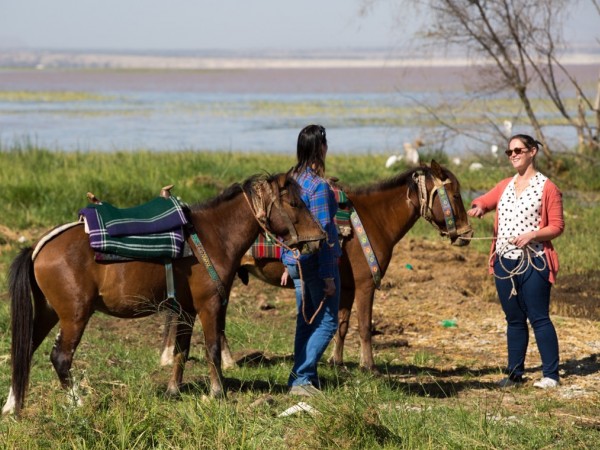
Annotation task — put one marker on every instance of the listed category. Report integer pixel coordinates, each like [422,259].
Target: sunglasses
[517,151]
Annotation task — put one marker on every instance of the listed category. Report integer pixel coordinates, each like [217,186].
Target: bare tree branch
[521,40]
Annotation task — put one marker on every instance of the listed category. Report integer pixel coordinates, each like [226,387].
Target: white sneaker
[546,383]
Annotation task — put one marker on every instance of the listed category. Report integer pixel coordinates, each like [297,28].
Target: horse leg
[226,357]
[346,301]
[67,340]
[169,337]
[180,329]
[364,308]
[213,326]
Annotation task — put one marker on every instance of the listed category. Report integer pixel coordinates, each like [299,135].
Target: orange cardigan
[552,216]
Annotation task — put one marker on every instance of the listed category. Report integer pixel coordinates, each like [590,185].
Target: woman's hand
[329,289]
[523,239]
[284,277]
[476,211]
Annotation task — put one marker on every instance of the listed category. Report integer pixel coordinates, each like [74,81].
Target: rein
[261,218]
[261,211]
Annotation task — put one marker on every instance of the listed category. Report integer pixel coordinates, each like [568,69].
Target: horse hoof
[229,366]
[218,394]
[172,393]
[371,369]
[334,362]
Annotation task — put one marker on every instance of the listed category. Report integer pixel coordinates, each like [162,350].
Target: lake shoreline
[257,80]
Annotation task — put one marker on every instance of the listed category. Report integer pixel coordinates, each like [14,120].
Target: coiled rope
[527,261]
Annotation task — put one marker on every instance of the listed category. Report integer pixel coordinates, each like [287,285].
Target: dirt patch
[439,330]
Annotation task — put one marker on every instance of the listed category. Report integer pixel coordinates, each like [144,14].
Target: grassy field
[117,363]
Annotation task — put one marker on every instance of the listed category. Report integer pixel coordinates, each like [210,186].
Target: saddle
[152,230]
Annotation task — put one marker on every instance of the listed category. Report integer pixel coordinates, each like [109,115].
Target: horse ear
[436,169]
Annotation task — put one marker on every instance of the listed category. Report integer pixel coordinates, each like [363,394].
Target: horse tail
[21,281]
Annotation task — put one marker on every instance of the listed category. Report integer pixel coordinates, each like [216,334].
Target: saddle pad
[264,247]
[342,216]
[156,216]
[340,196]
[148,246]
[110,257]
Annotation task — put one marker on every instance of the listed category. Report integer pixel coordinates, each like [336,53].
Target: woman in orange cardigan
[529,214]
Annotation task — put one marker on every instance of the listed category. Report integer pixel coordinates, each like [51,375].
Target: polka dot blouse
[518,215]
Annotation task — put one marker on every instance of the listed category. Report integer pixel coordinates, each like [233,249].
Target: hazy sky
[219,24]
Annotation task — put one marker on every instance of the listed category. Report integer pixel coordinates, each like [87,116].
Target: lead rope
[526,262]
[296,256]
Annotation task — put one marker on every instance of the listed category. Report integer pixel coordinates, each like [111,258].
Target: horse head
[280,210]
[441,204]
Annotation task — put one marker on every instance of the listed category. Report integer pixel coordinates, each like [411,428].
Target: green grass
[117,367]
[124,406]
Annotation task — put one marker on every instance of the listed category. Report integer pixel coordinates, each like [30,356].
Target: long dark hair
[309,150]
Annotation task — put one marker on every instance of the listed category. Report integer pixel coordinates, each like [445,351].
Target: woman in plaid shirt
[318,290]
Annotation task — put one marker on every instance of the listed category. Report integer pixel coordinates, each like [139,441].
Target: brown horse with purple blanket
[68,284]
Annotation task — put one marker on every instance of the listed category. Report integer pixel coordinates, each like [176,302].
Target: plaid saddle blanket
[264,247]
[149,231]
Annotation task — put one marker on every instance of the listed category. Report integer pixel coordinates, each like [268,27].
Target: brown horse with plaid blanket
[388,210]
[64,283]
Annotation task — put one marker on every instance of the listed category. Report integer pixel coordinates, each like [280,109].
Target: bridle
[426,204]
[261,204]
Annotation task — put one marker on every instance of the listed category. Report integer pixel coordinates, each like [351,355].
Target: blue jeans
[312,340]
[531,302]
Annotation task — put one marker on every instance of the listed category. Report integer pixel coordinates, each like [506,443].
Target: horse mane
[404,178]
[384,185]
[247,186]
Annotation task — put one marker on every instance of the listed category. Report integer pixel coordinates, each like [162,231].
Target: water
[216,122]
[365,110]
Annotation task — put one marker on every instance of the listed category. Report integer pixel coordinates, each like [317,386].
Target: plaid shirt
[321,202]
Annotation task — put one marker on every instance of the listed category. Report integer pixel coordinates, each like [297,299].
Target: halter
[261,205]
[261,210]
[426,204]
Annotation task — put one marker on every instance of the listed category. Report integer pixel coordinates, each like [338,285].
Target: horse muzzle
[463,238]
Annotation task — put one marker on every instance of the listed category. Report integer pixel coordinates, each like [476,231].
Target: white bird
[475,166]
[456,161]
[392,160]
[507,126]
[494,149]
[411,154]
